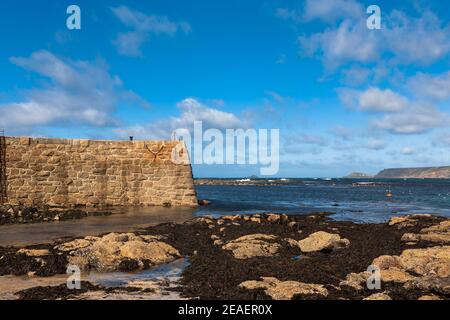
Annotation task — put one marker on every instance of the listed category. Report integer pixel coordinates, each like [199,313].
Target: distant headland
[415,173]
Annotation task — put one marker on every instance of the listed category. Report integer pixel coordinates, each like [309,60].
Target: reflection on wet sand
[154,284]
[126,220]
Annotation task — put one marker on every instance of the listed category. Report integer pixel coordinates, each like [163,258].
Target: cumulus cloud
[142,26]
[74,92]
[350,41]
[403,40]
[191,110]
[373,99]
[429,86]
[415,120]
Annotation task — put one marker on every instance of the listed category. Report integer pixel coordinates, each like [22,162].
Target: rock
[273,218]
[378,296]
[291,242]
[410,237]
[433,261]
[74,245]
[355,280]
[395,275]
[204,202]
[285,290]
[407,221]
[113,250]
[156,252]
[391,269]
[255,219]
[321,240]
[206,219]
[431,283]
[232,218]
[81,262]
[253,245]
[438,234]
[426,262]
[386,262]
[284,218]
[444,226]
[34,252]
[429,297]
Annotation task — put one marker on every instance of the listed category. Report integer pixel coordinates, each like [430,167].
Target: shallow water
[129,220]
[170,271]
[159,278]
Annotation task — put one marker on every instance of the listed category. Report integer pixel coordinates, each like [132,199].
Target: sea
[358,200]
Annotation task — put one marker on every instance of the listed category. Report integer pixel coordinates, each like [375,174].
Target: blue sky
[344,97]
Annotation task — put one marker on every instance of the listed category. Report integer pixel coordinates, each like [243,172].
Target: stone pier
[69,172]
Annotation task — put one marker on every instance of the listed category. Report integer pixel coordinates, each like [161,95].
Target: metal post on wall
[3,191]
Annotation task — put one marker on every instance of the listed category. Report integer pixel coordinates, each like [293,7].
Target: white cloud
[324,10]
[403,40]
[350,41]
[129,43]
[78,92]
[407,151]
[428,86]
[143,25]
[373,99]
[417,40]
[190,110]
[332,10]
[414,120]
[375,144]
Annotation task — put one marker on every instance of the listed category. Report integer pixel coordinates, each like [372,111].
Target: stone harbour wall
[69,172]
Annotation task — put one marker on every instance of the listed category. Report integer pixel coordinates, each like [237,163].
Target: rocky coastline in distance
[405,173]
[391,173]
[415,173]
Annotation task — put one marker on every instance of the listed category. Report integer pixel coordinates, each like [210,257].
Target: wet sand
[153,284]
[124,220]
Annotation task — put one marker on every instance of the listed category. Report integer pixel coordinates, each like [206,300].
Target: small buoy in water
[389,193]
